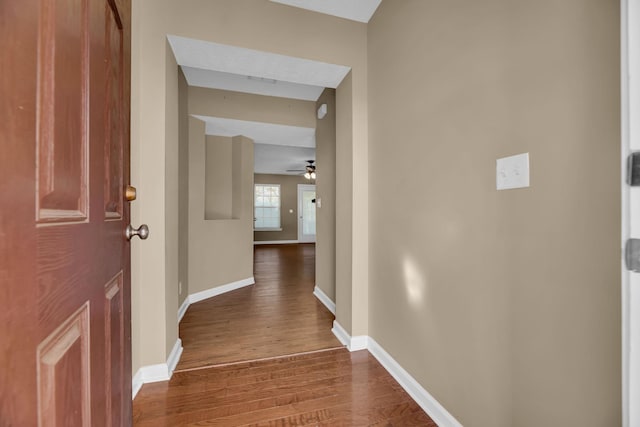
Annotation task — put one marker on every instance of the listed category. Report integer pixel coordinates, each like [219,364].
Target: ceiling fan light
[313,175]
[307,175]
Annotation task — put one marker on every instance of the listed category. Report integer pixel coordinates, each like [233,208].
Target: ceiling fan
[309,170]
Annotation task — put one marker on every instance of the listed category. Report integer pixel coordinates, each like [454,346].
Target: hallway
[278,316]
[264,355]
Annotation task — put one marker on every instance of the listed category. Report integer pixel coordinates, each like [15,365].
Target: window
[267,206]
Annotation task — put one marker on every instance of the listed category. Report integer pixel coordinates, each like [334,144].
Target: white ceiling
[278,159]
[355,10]
[256,69]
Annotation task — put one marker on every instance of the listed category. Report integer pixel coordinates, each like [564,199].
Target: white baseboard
[359,342]
[324,299]
[174,356]
[159,372]
[352,343]
[136,383]
[423,398]
[183,308]
[275,242]
[341,334]
[218,290]
[427,402]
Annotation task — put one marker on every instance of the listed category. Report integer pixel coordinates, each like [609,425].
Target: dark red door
[65,335]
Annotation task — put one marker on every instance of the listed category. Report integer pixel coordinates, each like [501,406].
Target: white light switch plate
[512,172]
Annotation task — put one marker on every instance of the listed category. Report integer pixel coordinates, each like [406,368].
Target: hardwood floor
[242,366]
[277,316]
[327,388]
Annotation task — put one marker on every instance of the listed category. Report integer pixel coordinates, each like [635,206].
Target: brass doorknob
[130,193]
[142,232]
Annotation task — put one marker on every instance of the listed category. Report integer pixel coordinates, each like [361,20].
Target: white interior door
[306,213]
[630,49]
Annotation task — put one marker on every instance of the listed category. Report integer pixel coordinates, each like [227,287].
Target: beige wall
[248,24]
[218,178]
[171,200]
[258,108]
[220,251]
[183,184]
[289,194]
[503,305]
[344,206]
[326,192]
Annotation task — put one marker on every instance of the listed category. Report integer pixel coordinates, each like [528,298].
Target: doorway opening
[307,203]
[247,235]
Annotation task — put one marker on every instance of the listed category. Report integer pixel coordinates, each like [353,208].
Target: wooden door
[65,336]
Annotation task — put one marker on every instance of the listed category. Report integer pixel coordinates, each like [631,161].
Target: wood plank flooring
[242,363]
[277,316]
[326,388]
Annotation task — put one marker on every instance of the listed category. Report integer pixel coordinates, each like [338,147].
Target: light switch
[512,172]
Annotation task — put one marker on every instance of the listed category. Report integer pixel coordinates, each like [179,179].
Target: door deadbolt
[130,193]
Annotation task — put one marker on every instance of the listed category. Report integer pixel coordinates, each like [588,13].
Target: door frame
[630,140]
[301,188]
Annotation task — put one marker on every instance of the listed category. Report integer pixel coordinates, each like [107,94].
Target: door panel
[63,84]
[114,343]
[64,390]
[65,293]
[113,138]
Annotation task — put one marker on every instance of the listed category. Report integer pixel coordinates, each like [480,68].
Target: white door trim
[630,131]
[301,188]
